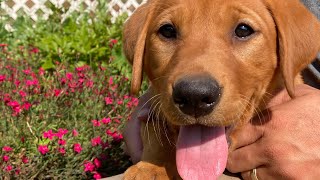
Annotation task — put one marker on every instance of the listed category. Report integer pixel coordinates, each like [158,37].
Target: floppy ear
[298,38]
[134,40]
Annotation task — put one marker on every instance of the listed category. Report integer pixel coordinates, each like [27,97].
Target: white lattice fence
[40,8]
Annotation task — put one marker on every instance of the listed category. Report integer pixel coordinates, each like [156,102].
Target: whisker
[147,124]
[150,99]
[166,130]
[158,136]
[159,119]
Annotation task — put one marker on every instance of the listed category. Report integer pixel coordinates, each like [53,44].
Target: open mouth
[201,152]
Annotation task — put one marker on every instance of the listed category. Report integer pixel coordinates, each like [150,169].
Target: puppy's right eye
[168,31]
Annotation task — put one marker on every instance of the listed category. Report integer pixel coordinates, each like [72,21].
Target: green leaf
[48,65]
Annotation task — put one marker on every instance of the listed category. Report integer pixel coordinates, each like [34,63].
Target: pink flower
[89,167]
[6,98]
[133,102]
[22,93]
[117,121]
[97,162]
[108,100]
[5,158]
[62,150]
[69,76]
[63,80]
[89,83]
[109,132]
[43,149]
[97,176]
[35,50]
[81,80]
[96,141]
[110,81]
[61,133]
[33,82]
[27,71]
[95,123]
[2,78]
[15,107]
[26,106]
[25,160]
[75,132]
[8,168]
[62,142]
[113,42]
[49,134]
[17,82]
[77,148]
[57,92]
[3,45]
[105,120]
[120,102]
[13,104]
[80,69]
[41,71]
[115,135]
[7,149]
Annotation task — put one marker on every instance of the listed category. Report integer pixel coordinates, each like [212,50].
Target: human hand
[285,142]
[132,136]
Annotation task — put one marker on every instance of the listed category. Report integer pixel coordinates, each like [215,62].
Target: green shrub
[82,38]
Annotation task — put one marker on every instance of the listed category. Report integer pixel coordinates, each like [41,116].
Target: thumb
[250,132]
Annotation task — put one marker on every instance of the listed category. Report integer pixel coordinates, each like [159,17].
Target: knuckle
[246,175]
[231,166]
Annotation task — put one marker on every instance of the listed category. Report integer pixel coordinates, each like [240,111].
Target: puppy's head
[214,61]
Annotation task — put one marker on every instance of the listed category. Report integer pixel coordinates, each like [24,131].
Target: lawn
[64,97]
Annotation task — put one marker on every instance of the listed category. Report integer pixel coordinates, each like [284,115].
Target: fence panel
[40,8]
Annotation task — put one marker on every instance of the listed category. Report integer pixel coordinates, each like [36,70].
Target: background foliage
[63,97]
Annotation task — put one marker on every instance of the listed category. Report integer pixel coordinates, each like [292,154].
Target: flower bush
[61,123]
[63,108]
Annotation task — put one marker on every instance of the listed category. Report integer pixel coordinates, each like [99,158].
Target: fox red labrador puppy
[212,64]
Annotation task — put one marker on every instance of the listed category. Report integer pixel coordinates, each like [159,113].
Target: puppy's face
[213,61]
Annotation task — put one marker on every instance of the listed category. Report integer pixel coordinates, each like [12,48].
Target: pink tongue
[201,152]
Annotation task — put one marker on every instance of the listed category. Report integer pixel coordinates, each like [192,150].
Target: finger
[283,96]
[251,175]
[247,134]
[246,158]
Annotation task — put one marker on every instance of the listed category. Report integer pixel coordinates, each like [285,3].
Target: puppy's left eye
[168,31]
[243,31]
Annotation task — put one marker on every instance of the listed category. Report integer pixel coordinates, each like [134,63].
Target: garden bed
[63,98]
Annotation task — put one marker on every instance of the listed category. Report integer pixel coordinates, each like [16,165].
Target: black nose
[196,95]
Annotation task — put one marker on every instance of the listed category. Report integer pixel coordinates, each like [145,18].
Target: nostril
[210,99]
[207,100]
[180,101]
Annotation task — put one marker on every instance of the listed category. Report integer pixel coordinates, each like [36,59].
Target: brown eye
[243,31]
[168,31]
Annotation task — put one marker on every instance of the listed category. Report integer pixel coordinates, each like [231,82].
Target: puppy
[211,64]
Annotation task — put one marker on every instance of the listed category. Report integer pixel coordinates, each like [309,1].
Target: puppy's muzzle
[196,95]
